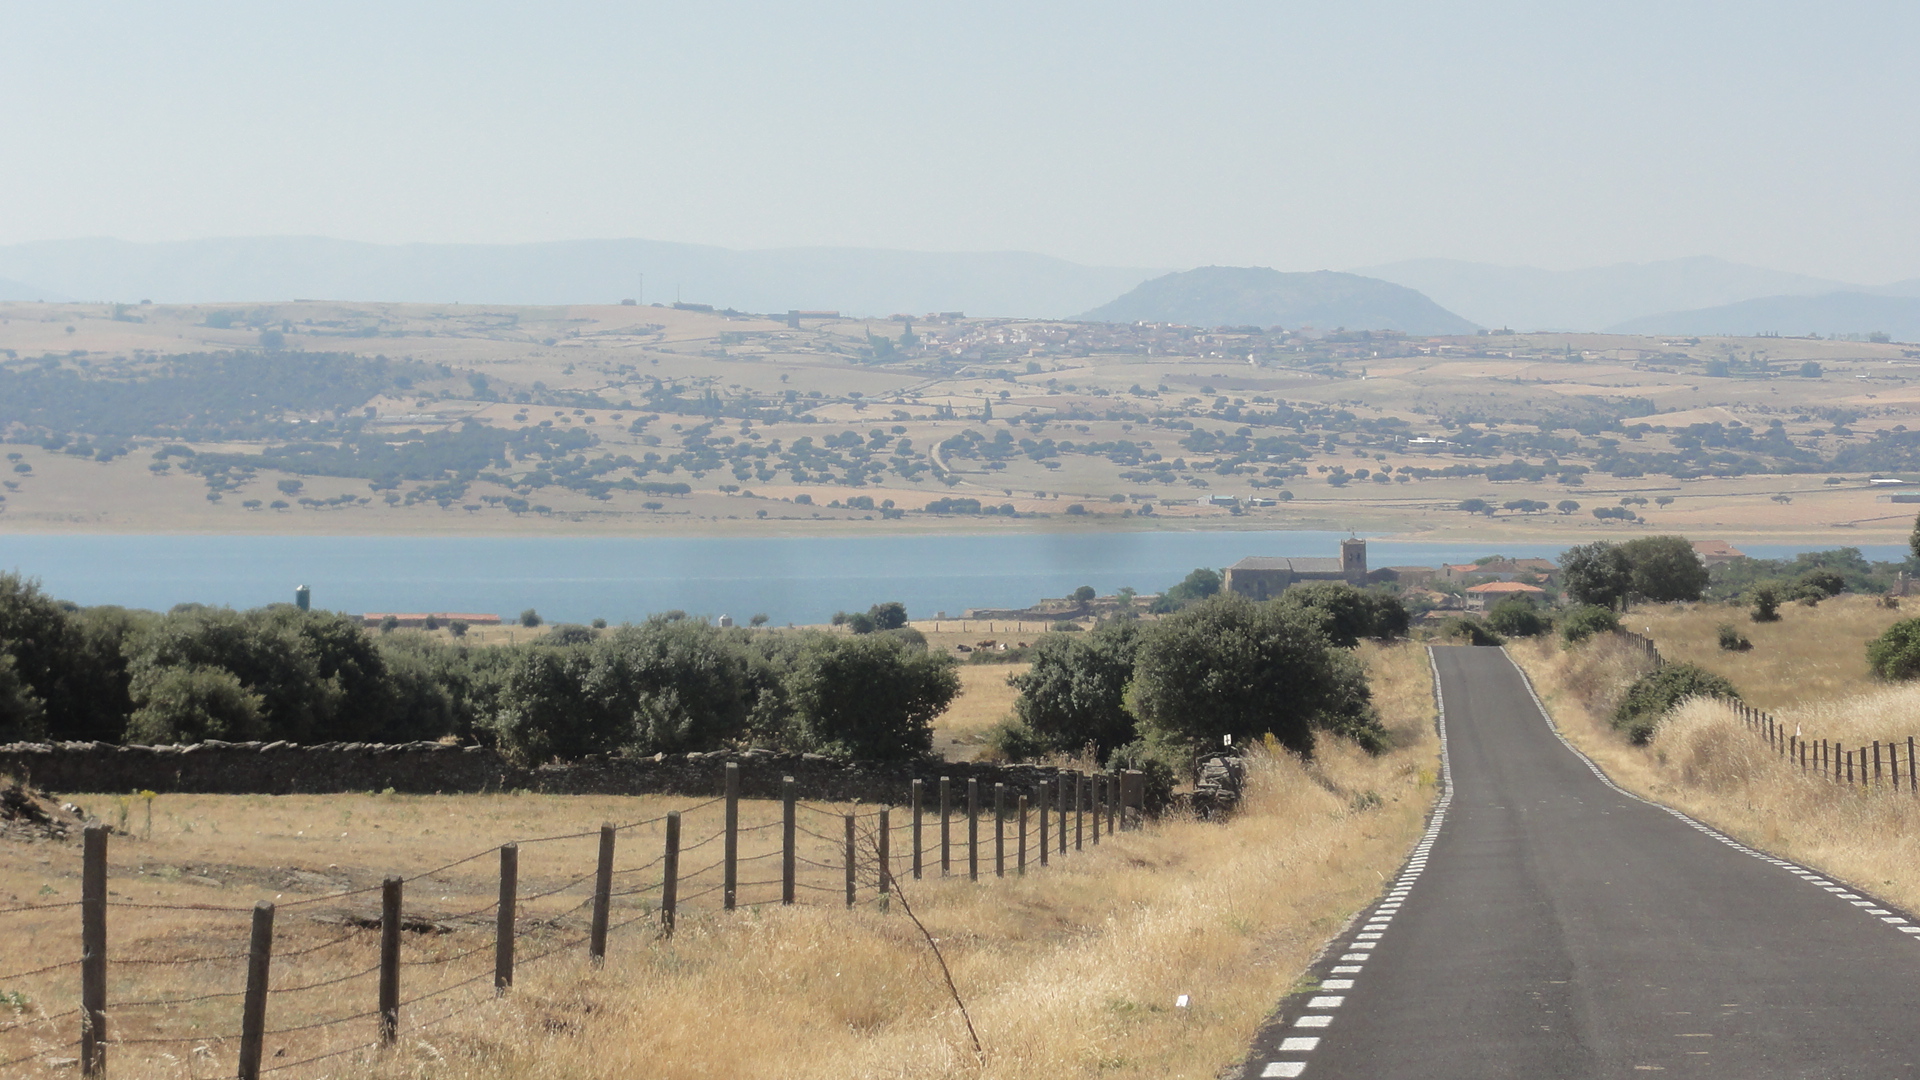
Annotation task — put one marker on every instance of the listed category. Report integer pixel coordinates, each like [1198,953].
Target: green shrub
[22,719]
[1466,628]
[1585,621]
[1655,694]
[1732,639]
[190,704]
[1821,584]
[1229,666]
[871,696]
[1766,603]
[1011,740]
[568,634]
[1074,695]
[1515,617]
[1349,614]
[1896,653]
[1159,767]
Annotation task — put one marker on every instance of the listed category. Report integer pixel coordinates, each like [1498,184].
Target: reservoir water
[791,579]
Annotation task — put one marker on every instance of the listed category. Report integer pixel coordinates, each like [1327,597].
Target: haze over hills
[1836,313]
[20,290]
[1260,296]
[858,281]
[1529,298]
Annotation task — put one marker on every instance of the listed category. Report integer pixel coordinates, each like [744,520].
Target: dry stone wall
[281,768]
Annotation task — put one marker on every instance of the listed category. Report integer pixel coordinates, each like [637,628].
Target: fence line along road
[1868,766]
[853,850]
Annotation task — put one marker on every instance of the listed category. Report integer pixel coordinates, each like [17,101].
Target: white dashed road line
[1373,929]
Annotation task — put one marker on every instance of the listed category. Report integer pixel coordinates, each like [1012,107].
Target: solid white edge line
[1808,876]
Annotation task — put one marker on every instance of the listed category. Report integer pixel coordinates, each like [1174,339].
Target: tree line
[1146,694]
[669,684]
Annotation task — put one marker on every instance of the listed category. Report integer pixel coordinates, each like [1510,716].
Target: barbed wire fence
[1869,766]
[371,975]
[1873,765]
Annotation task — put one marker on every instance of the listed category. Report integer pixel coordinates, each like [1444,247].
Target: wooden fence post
[390,961]
[503,921]
[670,875]
[999,830]
[730,844]
[1913,776]
[787,823]
[885,849]
[1046,810]
[973,828]
[849,854]
[93,951]
[919,795]
[602,895]
[1020,863]
[1080,787]
[1113,802]
[1876,763]
[1095,783]
[946,826]
[1061,782]
[253,1009]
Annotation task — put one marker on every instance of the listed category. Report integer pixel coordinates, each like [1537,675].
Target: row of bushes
[1157,691]
[666,685]
[1522,618]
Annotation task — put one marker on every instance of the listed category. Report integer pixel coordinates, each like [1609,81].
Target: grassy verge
[1702,761]
[1071,971]
[1812,654]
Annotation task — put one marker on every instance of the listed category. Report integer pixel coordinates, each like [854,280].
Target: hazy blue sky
[1296,135]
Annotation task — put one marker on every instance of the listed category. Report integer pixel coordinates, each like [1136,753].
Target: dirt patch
[32,815]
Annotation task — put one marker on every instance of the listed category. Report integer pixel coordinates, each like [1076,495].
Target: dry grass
[1812,654]
[1703,761]
[985,700]
[1068,971]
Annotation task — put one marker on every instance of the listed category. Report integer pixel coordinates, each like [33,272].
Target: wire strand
[39,971]
[39,907]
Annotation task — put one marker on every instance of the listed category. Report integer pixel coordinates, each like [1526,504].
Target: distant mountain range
[859,281]
[1258,296]
[1602,297]
[1833,313]
[1423,296]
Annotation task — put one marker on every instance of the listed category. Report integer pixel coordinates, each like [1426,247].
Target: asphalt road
[1550,925]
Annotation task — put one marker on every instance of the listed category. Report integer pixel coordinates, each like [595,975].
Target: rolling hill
[1529,298]
[1838,313]
[1259,296]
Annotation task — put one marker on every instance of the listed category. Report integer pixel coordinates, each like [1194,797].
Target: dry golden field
[985,700]
[1703,761]
[1068,971]
[1813,654]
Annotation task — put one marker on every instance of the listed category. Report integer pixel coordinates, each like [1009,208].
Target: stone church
[1261,577]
